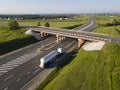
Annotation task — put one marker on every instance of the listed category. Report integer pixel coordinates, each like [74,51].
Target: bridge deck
[81,34]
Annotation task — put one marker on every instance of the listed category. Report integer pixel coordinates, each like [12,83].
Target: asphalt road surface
[89,27]
[19,68]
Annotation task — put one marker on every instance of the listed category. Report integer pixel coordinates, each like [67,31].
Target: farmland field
[57,24]
[106,19]
[110,30]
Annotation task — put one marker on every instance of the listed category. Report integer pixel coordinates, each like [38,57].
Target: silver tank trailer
[44,60]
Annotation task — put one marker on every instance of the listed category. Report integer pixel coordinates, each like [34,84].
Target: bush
[106,24]
[13,25]
[38,24]
[47,24]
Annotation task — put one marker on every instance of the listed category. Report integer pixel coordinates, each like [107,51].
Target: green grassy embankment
[13,39]
[95,70]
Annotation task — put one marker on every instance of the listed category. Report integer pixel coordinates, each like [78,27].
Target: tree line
[14,25]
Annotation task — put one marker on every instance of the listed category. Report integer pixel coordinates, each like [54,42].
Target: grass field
[94,70]
[111,30]
[106,19]
[6,35]
[82,18]
[56,23]
[59,24]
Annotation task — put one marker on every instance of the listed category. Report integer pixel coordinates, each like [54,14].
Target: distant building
[16,18]
[8,18]
[63,18]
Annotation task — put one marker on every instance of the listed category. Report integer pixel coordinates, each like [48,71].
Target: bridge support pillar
[60,38]
[57,38]
[63,38]
[80,42]
[43,34]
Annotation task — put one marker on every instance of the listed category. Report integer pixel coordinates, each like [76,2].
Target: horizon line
[56,13]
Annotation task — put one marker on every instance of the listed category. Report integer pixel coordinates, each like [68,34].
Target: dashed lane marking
[18,80]
[16,62]
[6,88]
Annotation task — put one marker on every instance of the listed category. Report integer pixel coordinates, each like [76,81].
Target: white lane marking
[36,71]
[91,23]
[8,77]
[18,80]
[35,61]
[16,62]
[6,88]
[12,63]
[69,44]
[6,66]
[3,71]
[28,72]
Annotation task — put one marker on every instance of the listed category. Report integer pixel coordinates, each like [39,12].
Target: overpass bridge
[81,35]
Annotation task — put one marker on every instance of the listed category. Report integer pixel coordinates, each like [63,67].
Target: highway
[19,67]
[16,69]
[89,27]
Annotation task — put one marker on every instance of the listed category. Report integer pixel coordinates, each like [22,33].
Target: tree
[115,22]
[47,24]
[38,24]
[13,25]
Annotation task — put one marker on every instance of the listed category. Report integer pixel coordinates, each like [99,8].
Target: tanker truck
[49,57]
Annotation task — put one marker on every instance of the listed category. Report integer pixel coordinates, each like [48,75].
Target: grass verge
[11,45]
[94,70]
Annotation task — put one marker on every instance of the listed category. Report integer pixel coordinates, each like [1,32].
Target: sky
[58,6]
